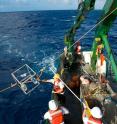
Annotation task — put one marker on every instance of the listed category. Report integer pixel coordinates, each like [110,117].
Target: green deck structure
[109,11]
[84,8]
[109,14]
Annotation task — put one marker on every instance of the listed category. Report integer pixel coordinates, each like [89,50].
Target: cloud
[65,2]
[1,6]
[21,1]
[12,5]
[99,4]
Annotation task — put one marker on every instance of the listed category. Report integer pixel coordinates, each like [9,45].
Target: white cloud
[27,1]
[21,1]
[10,5]
[99,4]
[1,6]
[66,2]
[52,1]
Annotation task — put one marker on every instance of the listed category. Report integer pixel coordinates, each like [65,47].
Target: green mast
[84,8]
[109,13]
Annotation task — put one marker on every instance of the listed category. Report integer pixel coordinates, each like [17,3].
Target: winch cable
[83,36]
[12,85]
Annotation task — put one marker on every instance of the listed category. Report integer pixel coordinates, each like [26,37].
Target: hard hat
[96,112]
[79,47]
[97,39]
[65,48]
[56,76]
[53,105]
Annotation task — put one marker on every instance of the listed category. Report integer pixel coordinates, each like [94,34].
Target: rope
[88,32]
[12,85]
[70,90]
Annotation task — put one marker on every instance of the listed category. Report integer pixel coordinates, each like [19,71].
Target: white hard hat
[65,48]
[79,47]
[96,112]
[53,105]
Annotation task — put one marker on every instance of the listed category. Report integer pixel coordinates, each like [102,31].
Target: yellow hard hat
[97,39]
[56,76]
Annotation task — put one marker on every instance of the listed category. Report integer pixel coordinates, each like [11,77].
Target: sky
[26,5]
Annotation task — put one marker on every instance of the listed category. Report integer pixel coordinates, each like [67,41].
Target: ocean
[36,38]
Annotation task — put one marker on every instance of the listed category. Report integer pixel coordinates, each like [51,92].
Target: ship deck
[75,109]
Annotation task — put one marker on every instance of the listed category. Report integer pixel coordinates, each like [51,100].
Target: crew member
[99,91]
[95,118]
[58,87]
[101,66]
[74,83]
[78,48]
[55,113]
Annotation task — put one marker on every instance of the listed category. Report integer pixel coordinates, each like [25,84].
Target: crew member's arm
[64,110]
[47,116]
[61,85]
[84,118]
[48,81]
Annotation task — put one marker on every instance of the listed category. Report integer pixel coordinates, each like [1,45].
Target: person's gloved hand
[53,91]
[84,106]
[85,120]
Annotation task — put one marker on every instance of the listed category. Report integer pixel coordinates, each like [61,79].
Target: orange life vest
[102,58]
[56,86]
[57,116]
[96,121]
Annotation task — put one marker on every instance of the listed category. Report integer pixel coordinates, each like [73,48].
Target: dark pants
[59,97]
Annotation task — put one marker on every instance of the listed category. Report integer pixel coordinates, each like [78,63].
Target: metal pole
[110,55]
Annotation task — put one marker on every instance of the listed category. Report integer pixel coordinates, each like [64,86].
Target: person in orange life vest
[99,49]
[55,113]
[58,84]
[95,118]
[101,66]
[58,87]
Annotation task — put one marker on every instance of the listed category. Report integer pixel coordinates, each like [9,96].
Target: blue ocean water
[36,38]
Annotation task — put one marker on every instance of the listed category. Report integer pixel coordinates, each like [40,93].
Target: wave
[48,62]
[67,20]
[73,16]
